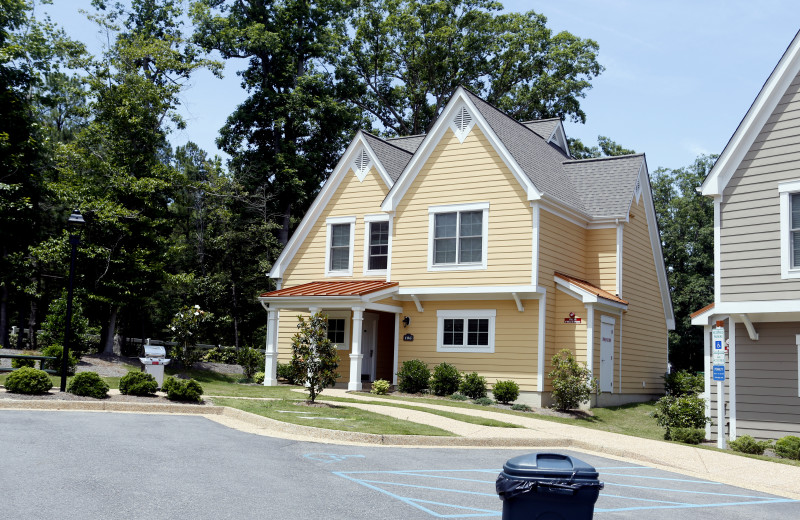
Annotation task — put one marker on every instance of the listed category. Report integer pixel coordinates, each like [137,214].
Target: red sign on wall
[572,318]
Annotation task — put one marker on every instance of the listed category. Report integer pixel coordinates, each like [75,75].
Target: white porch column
[590,338]
[271,349]
[732,377]
[707,375]
[356,356]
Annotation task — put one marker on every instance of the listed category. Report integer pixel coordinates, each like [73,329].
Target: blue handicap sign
[718,372]
[718,345]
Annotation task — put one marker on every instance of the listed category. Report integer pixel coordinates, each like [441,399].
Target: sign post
[718,372]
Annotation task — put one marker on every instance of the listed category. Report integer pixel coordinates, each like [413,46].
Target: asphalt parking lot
[102,465]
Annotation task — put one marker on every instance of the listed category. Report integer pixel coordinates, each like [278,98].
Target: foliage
[683,382]
[57,352]
[407,57]
[458,397]
[380,387]
[314,356]
[88,384]
[521,407]
[688,435]
[445,379]
[251,360]
[138,383]
[413,377]
[285,371]
[686,222]
[54,325]
[606,148]
[787,447]
[258,378]
[185,329]
[747,444]
[28,380]
[483,401]
[473,386]
[22,363]
[224,355]
[182,389]
[685,411]
[573,384]
[505,391]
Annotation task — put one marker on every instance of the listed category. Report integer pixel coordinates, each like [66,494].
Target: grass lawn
[332,418]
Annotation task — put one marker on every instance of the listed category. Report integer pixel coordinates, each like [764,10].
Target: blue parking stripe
[643,499]
[446,478]
[687,491]
[698,506]
[429,488]
[664,478]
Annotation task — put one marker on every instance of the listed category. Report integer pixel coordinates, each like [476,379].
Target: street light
[75,225]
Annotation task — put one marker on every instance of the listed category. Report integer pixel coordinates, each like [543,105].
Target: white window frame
[458,208]
[339,315]
[441,315]
[328,223]
[786,190]
[368,220]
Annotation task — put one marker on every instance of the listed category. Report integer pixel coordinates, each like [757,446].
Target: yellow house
[484,244]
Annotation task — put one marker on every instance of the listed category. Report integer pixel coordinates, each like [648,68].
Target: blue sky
[679,76]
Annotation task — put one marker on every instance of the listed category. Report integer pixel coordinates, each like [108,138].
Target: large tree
[686,222]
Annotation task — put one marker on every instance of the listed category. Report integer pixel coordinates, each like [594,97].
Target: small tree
[314,356]
[55,324]
[185,329]
[572,383]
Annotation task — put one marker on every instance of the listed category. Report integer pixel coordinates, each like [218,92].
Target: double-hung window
[458,236]
[376,240]
[339,329]
[466,330]
[339,246]
[790,228]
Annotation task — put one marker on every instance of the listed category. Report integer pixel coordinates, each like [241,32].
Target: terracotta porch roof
[701,311]
[337,288]
[591,288]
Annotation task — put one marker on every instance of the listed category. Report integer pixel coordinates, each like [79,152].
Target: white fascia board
[319,204]
[483,289]
[567,214]
[380,295]
[751,308]
[326,302]
[436,133]
[655,244]
[704,318]
[585,296]
[779,80]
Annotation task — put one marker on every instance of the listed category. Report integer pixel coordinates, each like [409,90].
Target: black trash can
[548,486]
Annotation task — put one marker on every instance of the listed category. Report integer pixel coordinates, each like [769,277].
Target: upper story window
[458,236]
[339,246]
[377,233]
[790,228]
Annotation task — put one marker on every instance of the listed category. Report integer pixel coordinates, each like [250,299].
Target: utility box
[548,486]
[154,361]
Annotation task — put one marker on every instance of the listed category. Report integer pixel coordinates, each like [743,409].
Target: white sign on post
[718,350]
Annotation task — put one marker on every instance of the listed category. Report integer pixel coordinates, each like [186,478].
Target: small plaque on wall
[408,337]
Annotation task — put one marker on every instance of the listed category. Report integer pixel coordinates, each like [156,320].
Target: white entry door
[369,336]
[607,354]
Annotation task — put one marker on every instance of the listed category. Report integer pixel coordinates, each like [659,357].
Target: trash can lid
[548,465]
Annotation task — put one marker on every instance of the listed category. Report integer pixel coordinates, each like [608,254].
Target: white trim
[526,291]
[369,219]
[341,315]
[462,112]
[797,342]
[707,376]
[356,357]
[607,320]
[541,346]
[535,220]
[559,137]
[590,338]
[619,259]
[488,314]
[748,324]
[412,169]
[747,307]
[271,348]
[330,221]
[520,308]
[619,379]
[571,217]
[361,164]
[417,303]
[755,119]
[585,296]
[785,190]
[717,251]
[458,209]
[732,377]
[391,245]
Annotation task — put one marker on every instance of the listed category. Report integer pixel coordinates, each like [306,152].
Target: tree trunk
[107,341]
[283,234]
[235,317]
[32,324]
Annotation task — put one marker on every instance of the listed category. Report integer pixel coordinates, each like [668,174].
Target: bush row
[415,377]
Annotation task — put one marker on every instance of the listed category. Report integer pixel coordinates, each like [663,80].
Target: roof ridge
[404,137]
[385,141]
[503,113]
[541,120]
[606,158]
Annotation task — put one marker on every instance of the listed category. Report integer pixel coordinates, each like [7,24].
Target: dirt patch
[55,395]
[315,404]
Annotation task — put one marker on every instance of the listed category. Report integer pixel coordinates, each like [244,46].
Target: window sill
[474,350]
[339,274]
[457,267]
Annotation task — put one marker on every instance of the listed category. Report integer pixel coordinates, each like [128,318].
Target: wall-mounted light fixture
[406,321]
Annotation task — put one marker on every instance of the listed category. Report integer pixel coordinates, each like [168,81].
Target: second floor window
[378,245]
[340,247]
[795,230]
[458,238]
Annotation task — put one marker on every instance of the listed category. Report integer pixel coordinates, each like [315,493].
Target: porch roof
[587,287]
[332,288]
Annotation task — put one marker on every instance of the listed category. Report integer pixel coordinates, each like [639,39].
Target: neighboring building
[483,244]
[755,185]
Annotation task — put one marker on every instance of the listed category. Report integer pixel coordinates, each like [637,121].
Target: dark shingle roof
[605,185]
[543,127]
[409,143]
[393,158]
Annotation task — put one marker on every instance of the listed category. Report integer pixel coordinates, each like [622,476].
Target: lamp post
[74,224]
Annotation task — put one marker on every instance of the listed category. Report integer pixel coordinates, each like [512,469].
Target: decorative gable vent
[361,164]
[462,123]
[637,191]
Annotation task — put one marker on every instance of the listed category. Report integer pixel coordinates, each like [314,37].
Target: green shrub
[138,383]
[28,380]
[88,384]
[251,360]
[54,324]
[505,391]
[473,386]
[688,435]
[459,397]
[286,372]
[483,401]
[786,447]
[182,389]
[24,363]
[380,387]
[220,355]
[519,407]
[445,379]
[572,383]
[747,444]
[258,378]
[413,377]
[683,382]
[57,352]
[686,411]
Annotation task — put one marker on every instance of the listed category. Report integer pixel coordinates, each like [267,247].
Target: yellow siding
[287,328]
[644,328]
[571,336]
[515,341]
[457,173]
[601,258]
[351,199]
